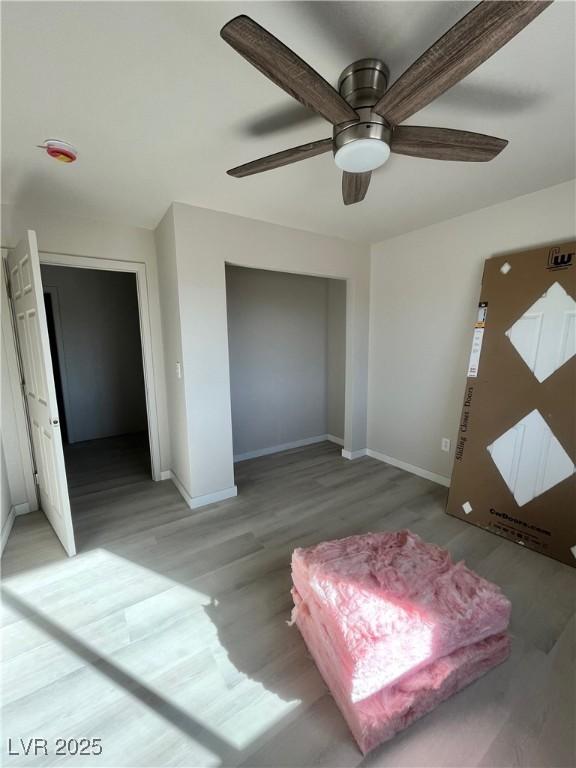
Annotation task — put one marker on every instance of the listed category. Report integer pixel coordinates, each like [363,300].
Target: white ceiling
[159,107]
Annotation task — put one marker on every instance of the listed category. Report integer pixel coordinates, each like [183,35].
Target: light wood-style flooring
[166,637]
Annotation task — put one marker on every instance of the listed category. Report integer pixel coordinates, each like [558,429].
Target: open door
[39,389]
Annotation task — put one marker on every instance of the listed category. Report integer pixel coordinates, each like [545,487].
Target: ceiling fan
[366,115]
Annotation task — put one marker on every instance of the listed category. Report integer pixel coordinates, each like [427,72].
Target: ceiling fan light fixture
[365,114]
[363,146]
[362,155]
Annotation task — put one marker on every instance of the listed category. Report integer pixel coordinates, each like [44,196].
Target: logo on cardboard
[559,260]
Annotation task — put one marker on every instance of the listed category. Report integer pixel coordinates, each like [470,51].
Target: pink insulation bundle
[392,603]
[394,626]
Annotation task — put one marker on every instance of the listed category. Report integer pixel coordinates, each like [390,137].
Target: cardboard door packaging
[516,447]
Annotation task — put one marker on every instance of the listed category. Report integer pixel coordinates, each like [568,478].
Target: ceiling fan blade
[445,144]
[355,186]
[285,157]
[483,31]
[286,69]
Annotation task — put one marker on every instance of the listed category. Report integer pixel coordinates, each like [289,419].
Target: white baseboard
[351,455]
[212,498]
[15,510]
[165,474]
[194,502]
[7,527]
[440,479]
[334,439]
[283,447]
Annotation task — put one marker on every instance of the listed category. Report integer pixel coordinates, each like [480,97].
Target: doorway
[95,344]
[37,341]
[139,272]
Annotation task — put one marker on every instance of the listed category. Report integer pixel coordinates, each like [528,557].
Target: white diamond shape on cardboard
[545,335]
[530,458]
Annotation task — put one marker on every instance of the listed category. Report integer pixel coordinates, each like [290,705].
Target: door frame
[29,503]
[59,339]
[139,269]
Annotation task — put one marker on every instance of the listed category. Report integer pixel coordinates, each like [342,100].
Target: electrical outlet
[445,445]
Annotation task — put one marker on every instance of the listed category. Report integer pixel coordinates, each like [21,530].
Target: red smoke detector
[60,150]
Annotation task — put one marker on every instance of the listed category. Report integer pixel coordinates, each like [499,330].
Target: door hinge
[36,479]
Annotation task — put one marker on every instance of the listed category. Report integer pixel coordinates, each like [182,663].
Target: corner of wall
[168,288]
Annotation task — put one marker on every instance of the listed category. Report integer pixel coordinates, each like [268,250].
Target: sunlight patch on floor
[150,640]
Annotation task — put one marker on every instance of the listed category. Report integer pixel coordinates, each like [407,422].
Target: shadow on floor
[223,573]
[161,706]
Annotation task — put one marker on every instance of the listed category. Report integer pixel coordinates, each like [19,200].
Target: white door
[39,388]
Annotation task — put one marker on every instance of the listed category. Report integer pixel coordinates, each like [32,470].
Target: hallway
[97,465]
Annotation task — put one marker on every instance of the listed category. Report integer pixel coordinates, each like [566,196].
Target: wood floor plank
[167,635]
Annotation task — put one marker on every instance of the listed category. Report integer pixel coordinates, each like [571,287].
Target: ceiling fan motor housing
[362,84]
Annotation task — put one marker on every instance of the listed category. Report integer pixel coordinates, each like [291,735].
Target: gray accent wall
[97,322]
[286,335]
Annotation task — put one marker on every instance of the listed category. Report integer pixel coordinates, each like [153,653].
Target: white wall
[424,294]
[98,325]
[172,341]
[204,241]
[336,357]
[422,288]
[6,510]
[105,240]
[11,444]
[278,337]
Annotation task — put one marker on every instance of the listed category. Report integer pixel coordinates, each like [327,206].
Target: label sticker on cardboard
[477,339]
